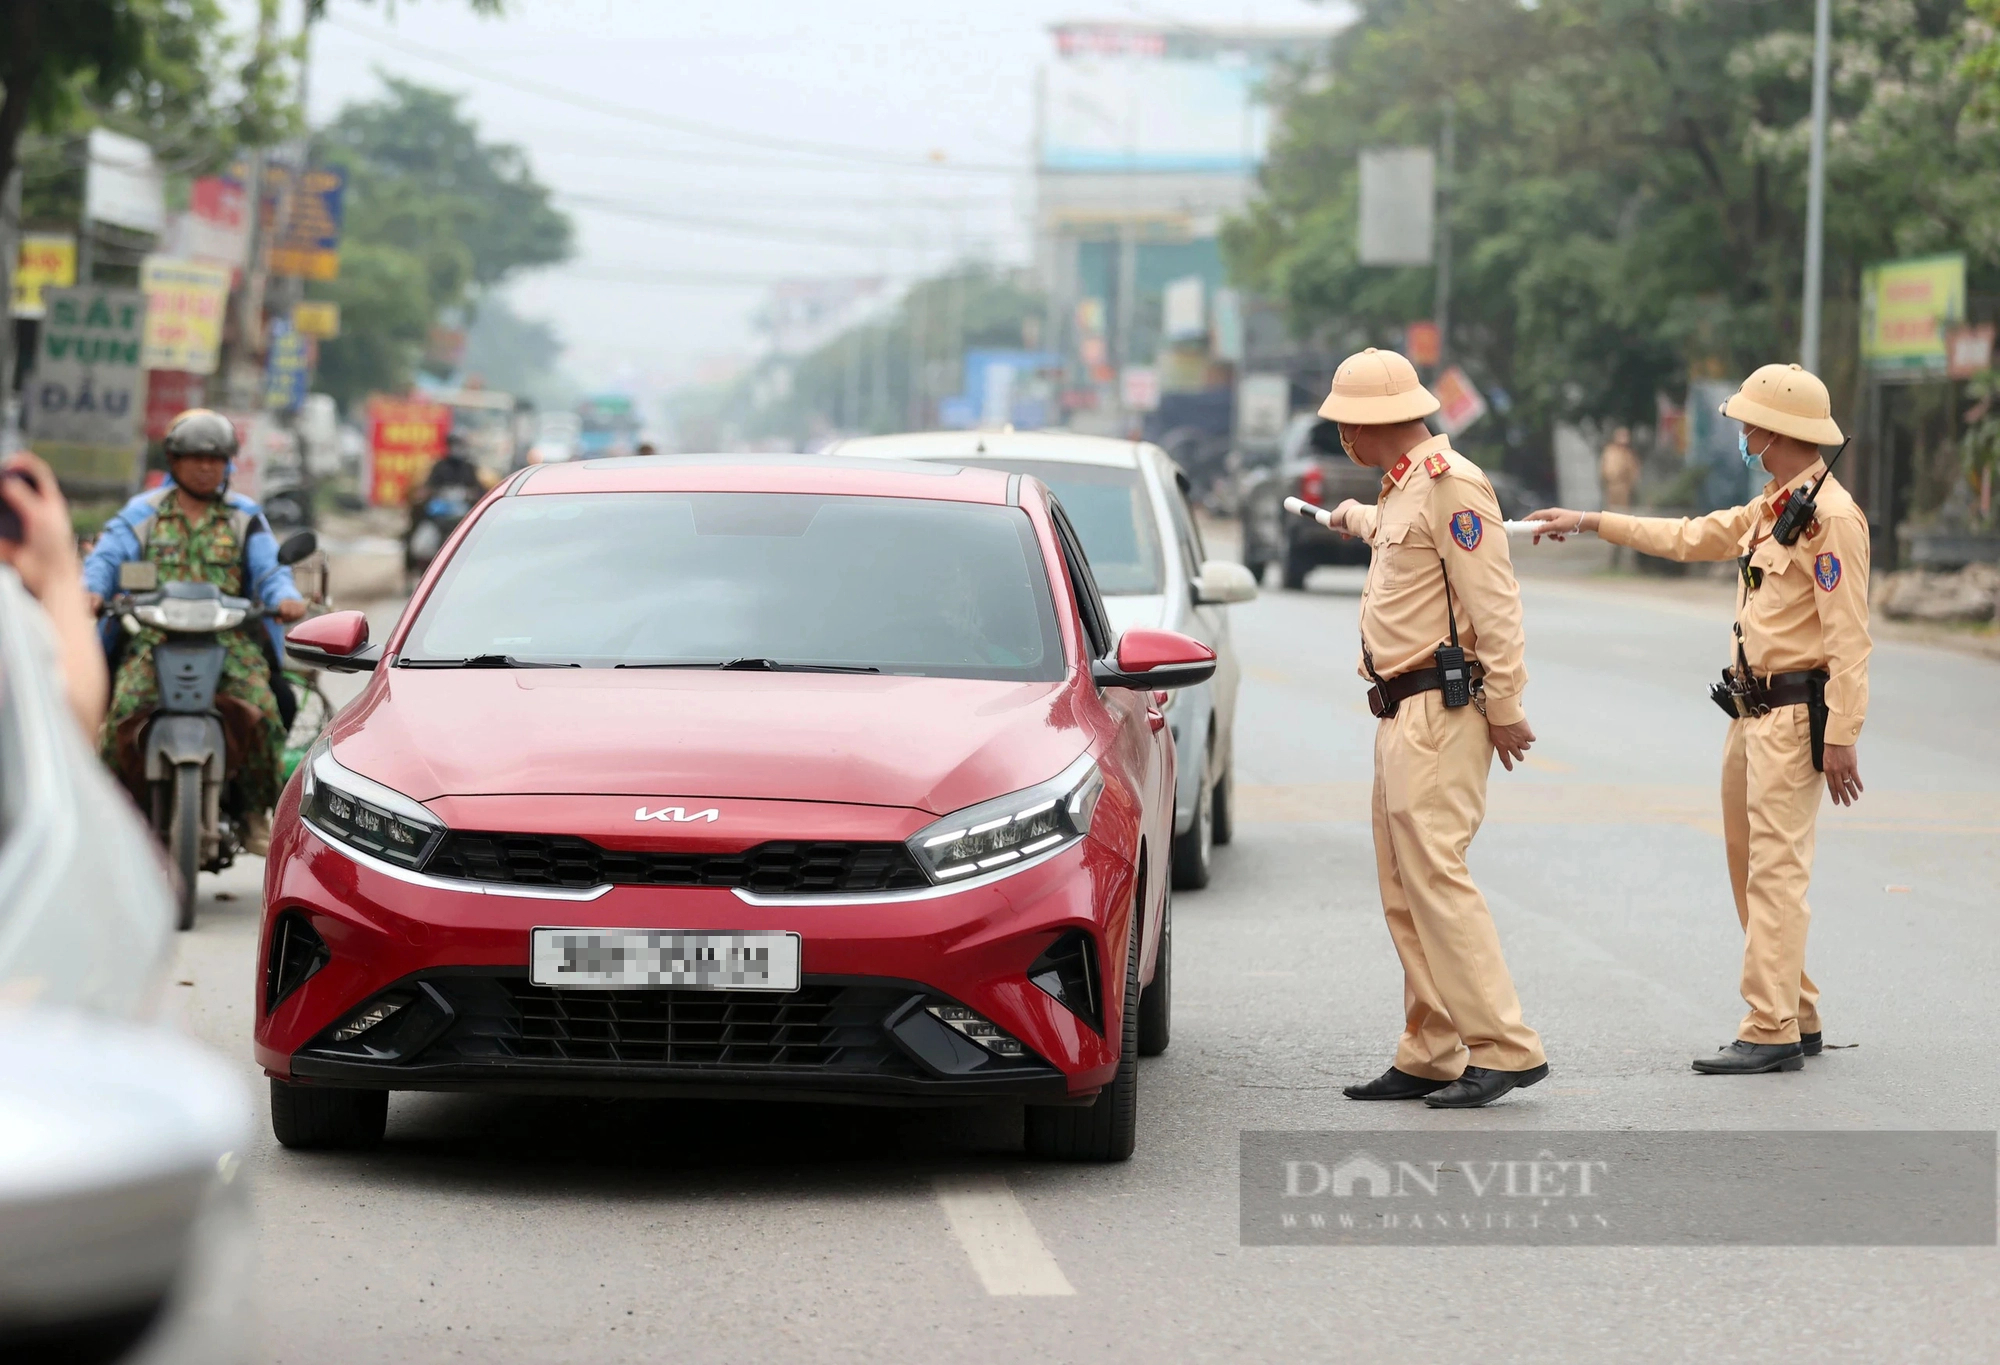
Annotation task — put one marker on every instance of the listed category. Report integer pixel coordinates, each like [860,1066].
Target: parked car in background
[124,1228]
[558,437]
[1130,504]
[1311,465]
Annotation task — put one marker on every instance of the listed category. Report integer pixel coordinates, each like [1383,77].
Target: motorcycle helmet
[201,431]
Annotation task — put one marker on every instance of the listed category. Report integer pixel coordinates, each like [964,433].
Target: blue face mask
[1743,448]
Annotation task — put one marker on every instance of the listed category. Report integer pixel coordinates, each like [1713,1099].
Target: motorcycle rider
[196,530]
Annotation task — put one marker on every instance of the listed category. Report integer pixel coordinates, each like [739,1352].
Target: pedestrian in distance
[1618,471]
[1796,690]
[1442,645]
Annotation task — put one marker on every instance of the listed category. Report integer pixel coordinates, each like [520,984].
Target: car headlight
[189,613]
[1011,829]
[346,806]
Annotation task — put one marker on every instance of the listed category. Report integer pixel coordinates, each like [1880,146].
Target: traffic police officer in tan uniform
[1439,579]
[1797,688]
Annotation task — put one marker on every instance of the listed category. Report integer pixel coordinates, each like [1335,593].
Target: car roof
[830,474]
[1056,447]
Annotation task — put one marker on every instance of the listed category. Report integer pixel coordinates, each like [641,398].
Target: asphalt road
[546,1231]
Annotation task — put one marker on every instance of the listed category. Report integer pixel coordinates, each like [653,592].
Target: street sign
[215,226]
[307,237]
[1906,309]
[404,436]
[184,306]
[122,184]
[317,318]
[47,261]
[1263,404]
[1398,205]
[1139,388]
[1423,344]
[1460,402]
[1969,351]
[87,393]
[287,367]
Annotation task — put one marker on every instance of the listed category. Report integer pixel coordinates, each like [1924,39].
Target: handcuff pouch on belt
[1456,680]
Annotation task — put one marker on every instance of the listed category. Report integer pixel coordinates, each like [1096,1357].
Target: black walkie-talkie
[1452,672]
[1804,506]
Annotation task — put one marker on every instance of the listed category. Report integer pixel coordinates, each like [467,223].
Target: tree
[435,220]
[1628,203]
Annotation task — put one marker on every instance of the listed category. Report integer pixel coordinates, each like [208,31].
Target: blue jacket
[119,543]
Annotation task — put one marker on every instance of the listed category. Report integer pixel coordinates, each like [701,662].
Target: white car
[124,1224]
[1128,502]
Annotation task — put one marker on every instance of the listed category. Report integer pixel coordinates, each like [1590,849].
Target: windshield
[1110,510]
[899,585]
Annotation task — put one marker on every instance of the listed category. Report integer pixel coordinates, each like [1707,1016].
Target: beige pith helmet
[1787,399]
[1375,388]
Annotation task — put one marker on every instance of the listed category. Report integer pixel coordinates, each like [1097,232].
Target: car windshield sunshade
[774,581]
[1109,508]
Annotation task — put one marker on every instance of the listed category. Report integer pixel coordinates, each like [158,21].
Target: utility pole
[1816,190]
[1441,302]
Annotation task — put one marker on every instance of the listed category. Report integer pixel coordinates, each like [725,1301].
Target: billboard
[1906,309]
[184,303]
[1398,205]
[404,436]
[87,394]
[47,261]
[306,237]
[122,184]
[1136,114]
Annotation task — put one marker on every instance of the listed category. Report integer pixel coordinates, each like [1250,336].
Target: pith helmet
[1375,388]
[1787,399]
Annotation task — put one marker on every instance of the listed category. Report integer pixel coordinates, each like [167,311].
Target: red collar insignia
[1399,469]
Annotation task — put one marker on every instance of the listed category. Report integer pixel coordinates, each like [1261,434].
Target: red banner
[404,436]
[169,393]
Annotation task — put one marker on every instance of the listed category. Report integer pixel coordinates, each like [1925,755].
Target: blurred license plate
[609,959]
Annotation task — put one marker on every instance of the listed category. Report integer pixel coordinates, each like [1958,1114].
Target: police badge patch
[1466,529]
[1826,571]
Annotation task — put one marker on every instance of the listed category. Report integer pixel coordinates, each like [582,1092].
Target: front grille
[817,1027]
[777,869]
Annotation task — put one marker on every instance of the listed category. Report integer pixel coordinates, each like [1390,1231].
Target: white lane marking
[1005,1250]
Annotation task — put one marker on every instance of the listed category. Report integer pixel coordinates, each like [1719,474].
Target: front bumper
[859,1027]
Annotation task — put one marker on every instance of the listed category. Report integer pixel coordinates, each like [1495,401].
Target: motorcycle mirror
[138,575]
[297,547]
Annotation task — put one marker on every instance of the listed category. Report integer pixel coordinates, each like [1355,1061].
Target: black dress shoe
[1751,1059]
[1810,1043]
[1394,1085]
[1482,1085]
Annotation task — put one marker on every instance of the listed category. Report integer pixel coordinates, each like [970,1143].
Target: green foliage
[435,217]
[518,355]
[1629,197]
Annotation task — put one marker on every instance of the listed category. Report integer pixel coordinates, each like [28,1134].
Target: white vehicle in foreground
[1128,502]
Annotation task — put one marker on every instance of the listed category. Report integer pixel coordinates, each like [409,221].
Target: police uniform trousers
[1459,1005]
[1770,802]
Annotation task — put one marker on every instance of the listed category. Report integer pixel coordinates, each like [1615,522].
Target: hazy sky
[678,226]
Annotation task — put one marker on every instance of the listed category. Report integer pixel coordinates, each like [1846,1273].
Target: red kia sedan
[784,776]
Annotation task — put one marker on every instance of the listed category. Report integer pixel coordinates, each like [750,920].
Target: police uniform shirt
[1436,504]
[1810,607]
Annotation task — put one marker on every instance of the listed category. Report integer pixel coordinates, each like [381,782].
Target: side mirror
[1155,659]
[336,641]
[297,547]
[138,575]
[1222,583]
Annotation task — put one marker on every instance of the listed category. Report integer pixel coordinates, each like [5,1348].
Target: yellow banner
[316,318]
[1907,307]
[184,306]
[47,261]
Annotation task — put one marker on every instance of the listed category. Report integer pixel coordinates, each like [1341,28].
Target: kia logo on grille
[677,813]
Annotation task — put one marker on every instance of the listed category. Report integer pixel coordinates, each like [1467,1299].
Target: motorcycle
[436,518]
[183,741]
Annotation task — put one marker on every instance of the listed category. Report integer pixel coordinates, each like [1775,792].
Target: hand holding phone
[10,520]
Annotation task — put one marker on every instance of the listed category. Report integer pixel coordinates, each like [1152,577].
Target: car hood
[933,744]
[1148,611]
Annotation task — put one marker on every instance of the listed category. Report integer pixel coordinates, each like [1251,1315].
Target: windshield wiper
[761,665]
[481,661]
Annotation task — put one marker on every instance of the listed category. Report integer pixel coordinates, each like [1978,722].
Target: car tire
[1156,1002]
[1107,1129]
[327,1118]
[1194,851]
[1223,821]
[1297,566]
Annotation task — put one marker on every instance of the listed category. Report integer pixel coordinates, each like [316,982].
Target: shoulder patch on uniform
[1436,465]
[1826,571]
[1466,529]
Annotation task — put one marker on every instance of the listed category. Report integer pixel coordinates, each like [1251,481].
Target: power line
[733,227]
[691,127]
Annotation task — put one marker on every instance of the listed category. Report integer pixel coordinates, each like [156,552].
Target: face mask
[1750,461]
[1348,446]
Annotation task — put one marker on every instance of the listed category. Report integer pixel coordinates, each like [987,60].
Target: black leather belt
[1792,689]
[1384,697]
